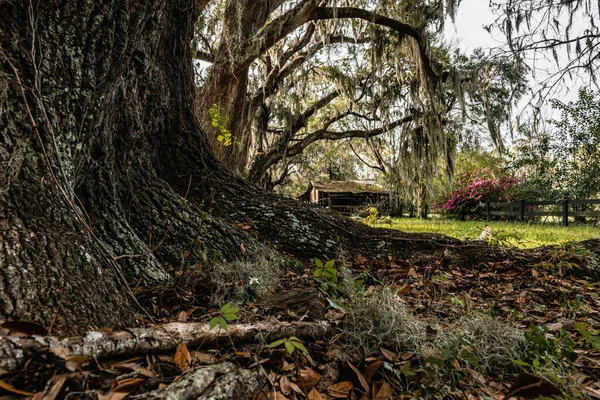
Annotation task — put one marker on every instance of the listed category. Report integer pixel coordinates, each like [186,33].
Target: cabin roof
[348,187]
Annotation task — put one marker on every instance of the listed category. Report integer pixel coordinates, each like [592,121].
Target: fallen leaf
[309,378]
[284,385]
[371,370]
[531,386]
[390,355]
[341,390]
[113,396]
[361,378]
[127,385]
[10,388]
[56,388]
[314,395]
[385,392]
[182,356]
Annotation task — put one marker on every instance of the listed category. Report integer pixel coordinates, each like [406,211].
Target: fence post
[565,213]
[522,210]
[487,206]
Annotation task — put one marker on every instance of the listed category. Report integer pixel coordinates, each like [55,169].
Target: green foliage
[373,216]
[291,344]
[547,352]
[220,121]
[564,162]
[326,273]
[591,338]
[227,313]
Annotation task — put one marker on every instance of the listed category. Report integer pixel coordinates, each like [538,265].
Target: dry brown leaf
[308,378]
[10,388]
[390,355]
[204,358]
[113,396]
[56,388]
[182,356]
[361,378]
[284,385]
[279,396]
[385,392]
[314,395]
[127,385]
[370,371]
[296,388]
[62,352]
[341,390]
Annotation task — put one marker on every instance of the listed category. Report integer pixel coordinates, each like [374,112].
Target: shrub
[477,186]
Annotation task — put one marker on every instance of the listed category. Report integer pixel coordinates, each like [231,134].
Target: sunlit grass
[522,235]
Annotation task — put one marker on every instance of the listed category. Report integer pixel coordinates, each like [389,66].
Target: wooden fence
[522,210]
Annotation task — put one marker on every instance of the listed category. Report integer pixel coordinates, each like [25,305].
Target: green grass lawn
[517,234]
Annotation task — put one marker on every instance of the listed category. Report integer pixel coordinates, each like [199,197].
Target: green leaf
[318,263]
[329,263]
[521,363]
[289,347]
[299,345]
[213,322]
[318,272]
[277,343]
[435,360]
[223,324]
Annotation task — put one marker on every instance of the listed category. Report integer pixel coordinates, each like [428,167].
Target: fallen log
[15,350]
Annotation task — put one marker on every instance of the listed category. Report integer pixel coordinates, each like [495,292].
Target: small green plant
[590,338]
[326,274]
[291,344]
[226,314]
[373,216]
[220,121]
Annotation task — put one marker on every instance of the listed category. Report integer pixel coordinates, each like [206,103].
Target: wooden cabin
[344,196]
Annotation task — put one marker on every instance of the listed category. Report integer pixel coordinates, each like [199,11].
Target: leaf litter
[449,306]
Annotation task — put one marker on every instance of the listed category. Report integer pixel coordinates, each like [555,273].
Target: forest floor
[413,329]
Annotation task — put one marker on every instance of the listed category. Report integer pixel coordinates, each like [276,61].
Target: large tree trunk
[104,167]
[96,103]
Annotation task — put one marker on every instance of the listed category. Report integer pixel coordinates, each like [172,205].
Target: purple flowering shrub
[476,186]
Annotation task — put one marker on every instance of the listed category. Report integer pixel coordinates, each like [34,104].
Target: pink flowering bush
[476,186]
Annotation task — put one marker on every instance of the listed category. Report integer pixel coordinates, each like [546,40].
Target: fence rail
[564,209]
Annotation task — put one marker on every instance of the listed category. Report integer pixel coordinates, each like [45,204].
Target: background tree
[350,78]
[564,160]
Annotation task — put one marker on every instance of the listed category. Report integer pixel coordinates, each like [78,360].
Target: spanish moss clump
[243,280]
[380,320]
[484,343]
[477,342]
